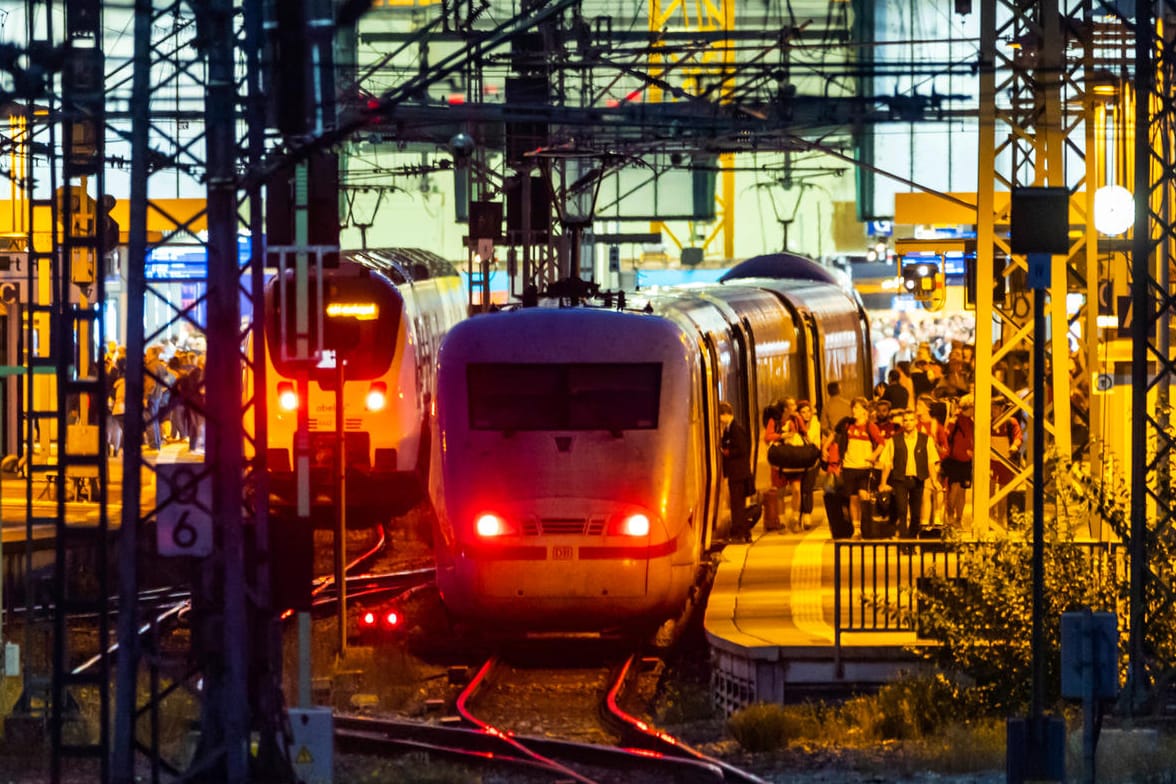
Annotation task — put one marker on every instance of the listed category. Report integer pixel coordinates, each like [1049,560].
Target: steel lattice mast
[1153,362]
[236,642]
[1022,143]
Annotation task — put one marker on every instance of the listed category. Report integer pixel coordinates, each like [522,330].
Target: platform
[777,631]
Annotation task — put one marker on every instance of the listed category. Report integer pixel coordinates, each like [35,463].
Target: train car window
[582,396]
[360,320]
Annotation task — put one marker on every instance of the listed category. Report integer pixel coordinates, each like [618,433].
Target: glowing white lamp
[1114,210]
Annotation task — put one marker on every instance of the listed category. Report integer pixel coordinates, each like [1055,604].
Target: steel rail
[463,710]
[414,734]
[663,741]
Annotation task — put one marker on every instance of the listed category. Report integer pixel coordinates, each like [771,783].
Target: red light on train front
[636,524]
[287,397]
[369,618]
[392,620]
[377,396]
[490,525]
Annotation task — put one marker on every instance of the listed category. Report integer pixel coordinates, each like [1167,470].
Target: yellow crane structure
[694,68]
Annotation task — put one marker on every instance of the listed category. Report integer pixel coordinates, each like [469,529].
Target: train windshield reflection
[575,396]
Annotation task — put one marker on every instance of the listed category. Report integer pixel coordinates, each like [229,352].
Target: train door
[715,524]
[745,338]
[812,356]
[866,358]
[814,359]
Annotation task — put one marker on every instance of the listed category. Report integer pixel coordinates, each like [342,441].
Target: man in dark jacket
[736,447]
[895,392]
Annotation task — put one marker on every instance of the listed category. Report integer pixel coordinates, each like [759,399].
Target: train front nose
[561,564]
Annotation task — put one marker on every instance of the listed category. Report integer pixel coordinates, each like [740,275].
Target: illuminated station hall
[587,390]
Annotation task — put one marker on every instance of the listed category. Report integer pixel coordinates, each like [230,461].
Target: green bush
[912,707]
[983,622]
[915,706]
[682,702]
[765,727]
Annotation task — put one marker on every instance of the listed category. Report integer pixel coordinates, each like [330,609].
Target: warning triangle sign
[304,757]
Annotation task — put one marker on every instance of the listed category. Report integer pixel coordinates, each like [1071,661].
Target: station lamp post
[1038,227]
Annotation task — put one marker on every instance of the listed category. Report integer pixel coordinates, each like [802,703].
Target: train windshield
[360,321]
[581,396]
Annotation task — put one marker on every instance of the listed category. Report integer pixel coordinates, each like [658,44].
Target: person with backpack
[811,430]
[925,411]
[957,464]
[834,497]
[793,434]
[863,442]
[156,381]
[773,419]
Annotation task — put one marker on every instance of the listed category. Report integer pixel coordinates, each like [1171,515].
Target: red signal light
[392,619]
[369,618]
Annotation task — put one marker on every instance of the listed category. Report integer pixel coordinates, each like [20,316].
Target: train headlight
[490,525]
[377,396]
[287,397]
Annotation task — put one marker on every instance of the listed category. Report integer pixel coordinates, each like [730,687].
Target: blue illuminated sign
[185,262]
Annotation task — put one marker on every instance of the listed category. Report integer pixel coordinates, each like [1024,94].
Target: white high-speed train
[578,484]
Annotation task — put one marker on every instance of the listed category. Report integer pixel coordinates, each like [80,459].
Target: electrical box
[312,745]
[11,660]
[1090,655]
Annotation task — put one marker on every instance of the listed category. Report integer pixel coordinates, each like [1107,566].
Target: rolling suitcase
[878,517]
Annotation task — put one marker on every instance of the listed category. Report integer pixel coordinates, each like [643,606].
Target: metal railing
[878,584]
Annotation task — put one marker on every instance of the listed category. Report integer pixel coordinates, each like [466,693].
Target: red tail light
[391,619]
[287,396]
[635,524]
[489,525]
[369,618]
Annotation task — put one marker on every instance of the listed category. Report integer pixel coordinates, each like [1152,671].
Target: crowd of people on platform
[911,442]
[173,393]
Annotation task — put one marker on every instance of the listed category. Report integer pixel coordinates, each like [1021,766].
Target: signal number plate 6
[561,553]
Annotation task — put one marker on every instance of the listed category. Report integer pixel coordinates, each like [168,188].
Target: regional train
[578,486]
[382,313]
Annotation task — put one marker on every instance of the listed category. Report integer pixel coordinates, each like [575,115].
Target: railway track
[167,608]
[598,741]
